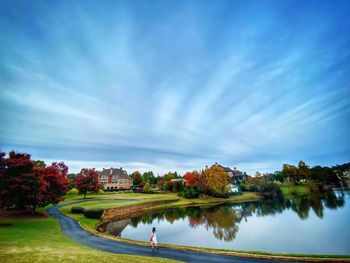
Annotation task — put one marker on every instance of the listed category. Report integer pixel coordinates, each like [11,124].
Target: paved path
[73,230]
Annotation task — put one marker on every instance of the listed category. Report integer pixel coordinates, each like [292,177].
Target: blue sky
[176,85]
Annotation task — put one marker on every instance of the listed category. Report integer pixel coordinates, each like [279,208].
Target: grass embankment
[91,224]
[41,240]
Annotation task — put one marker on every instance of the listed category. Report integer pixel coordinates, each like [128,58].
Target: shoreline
[246,254]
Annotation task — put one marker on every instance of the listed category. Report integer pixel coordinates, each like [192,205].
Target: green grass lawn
[291,189]
[41,240]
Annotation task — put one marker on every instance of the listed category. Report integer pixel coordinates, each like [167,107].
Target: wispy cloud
[160,87]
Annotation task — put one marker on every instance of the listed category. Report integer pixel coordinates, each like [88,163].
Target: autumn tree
[217,180]
[53,184]
[24,182]
[290,172]
[303,171]
[192,178]
[19,184]
[137,178]
[87,181]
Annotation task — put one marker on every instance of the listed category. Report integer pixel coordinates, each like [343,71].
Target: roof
[118,172]
[234,172]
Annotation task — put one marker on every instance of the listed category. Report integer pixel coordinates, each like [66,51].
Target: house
[235,175]
[114,179]
[181,180]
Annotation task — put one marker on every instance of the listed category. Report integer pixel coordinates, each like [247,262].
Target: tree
[39,164]
[303,171]
[191,178]
[53,184]
[19,184]
[168,176]
[278,176]
[24,182]
[217,180]
[147,188]
[137,178]
[148,177]
[290,172]
[71,178]
[87,181]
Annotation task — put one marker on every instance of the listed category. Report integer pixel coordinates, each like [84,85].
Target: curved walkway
[73,230]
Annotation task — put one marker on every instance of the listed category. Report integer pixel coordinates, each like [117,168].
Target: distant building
[114,179]
[235,176]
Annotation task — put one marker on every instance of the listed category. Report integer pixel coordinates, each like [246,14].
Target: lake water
[314,224]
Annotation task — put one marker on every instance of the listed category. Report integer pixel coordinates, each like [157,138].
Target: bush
[218,194]
[203,196]
[189,192]
[100,192]
[270,189]
[177,187]
[147,188]
[93,213]
[77,210]
[73,191]
[241,187]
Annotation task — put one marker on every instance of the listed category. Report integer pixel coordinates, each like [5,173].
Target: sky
[176,85]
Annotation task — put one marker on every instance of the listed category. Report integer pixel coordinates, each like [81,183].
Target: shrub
[100,192]
[203,196]
[269,189]
[93,213]
[77,210]
[241,187]
[177,187]
[73,191]
[189,192]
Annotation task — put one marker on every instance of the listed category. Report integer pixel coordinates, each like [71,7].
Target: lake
[312,224]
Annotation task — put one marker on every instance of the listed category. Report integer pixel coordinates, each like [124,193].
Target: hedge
[93,213]
[77,210]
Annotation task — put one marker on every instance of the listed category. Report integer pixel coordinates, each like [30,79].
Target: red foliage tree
[23,183]
[53,183]
[87,181]
[191,178]
[19,184]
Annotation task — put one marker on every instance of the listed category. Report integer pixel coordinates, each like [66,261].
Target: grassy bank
[291,189]
[91,224]
[41,240]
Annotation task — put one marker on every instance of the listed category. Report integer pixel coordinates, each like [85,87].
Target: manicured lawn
[291,189]
[41,240]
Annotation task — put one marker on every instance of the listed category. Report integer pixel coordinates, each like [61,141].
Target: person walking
[153,239]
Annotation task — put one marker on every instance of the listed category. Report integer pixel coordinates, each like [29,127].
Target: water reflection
[223,220]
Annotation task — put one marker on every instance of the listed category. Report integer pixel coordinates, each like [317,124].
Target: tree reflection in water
[223,219]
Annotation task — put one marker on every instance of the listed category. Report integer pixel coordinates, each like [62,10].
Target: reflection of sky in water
[284,232]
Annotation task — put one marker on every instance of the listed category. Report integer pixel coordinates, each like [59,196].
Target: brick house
[114,179]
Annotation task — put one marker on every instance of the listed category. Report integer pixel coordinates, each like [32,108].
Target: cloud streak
[177,86]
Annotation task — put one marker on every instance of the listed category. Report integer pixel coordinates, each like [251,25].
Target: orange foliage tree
[191,178]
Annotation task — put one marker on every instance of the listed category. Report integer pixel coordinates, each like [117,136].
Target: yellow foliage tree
[216,179]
